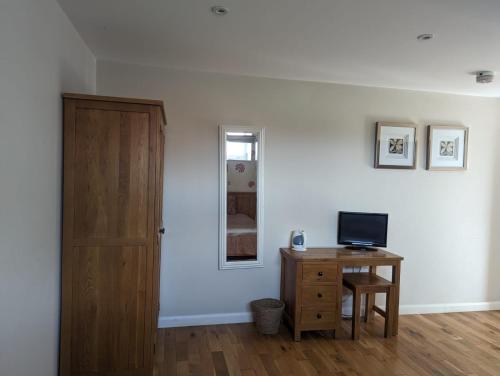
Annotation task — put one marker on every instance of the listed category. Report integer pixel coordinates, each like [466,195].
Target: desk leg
[282,285]
[296,335]
[396,273]
[340,292]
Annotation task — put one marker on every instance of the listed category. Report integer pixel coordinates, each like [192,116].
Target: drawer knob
[319,315]
[320,295]
[320,274]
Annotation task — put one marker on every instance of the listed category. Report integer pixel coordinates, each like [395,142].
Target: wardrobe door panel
[111,181]
[109,297]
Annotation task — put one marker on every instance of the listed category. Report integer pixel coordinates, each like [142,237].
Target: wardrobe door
[109,235]
[160,225]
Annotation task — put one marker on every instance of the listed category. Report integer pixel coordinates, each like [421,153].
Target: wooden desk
[311,285]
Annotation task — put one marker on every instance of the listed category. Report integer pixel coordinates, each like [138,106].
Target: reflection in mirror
[240,189]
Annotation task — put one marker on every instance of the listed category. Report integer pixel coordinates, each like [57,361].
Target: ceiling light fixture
[425,37]
[219,10]
[484,77]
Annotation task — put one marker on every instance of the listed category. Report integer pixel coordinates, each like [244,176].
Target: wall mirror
[241,197]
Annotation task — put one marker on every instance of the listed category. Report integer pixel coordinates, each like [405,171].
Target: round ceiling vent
[219,10]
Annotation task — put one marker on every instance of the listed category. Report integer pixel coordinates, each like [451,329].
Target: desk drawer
[320,272]
[317,316]
[319,295]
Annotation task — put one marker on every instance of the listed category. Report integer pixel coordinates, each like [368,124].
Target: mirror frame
[259,262]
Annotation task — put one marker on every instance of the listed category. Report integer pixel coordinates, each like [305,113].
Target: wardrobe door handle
[320,295]
[319,316]
[320,274]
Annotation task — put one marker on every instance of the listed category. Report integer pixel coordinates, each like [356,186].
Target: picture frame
[447,147]
[396,145]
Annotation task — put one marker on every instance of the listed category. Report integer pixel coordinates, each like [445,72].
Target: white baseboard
[210,319]
[448,308]
[241,317]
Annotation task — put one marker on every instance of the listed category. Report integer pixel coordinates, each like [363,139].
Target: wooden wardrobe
[112,227]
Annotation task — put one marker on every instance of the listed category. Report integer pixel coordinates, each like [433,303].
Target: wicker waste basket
[267,314]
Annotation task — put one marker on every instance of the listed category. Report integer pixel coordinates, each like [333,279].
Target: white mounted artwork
[396,146]
[447,147]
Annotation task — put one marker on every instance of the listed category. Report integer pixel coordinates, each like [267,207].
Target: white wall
[41,55]
[443,223]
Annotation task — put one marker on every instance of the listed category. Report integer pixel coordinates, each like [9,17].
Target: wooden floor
[437,344]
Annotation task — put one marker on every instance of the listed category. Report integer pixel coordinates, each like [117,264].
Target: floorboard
[435,344]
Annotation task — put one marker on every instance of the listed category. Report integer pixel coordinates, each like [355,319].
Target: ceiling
[362,42]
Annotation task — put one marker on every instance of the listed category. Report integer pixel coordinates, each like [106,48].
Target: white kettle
[299,240]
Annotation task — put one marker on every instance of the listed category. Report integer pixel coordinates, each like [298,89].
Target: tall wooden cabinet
[112,227]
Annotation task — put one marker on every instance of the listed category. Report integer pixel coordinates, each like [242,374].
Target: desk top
[340,254]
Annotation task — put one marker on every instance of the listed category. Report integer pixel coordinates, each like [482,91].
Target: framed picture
[396,146]
[447,147]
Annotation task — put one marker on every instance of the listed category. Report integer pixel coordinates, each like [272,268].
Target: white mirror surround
[255,158]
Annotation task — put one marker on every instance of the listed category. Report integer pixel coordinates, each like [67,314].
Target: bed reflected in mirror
[241,187]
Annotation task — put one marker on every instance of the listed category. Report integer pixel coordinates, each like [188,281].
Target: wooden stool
[370,284]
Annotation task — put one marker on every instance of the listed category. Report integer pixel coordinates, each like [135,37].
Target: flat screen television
[362,230]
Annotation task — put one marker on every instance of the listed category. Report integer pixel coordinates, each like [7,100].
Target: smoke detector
[484,77]
[425,37]
[219,10]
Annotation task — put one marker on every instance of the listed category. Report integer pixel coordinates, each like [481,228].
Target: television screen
[362,229]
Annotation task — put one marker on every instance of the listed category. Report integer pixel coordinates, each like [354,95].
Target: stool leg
[389,312]
[356,314]
[369,302]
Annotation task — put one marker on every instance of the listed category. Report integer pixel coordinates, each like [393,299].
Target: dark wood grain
[367,280]
[220,363]
[244,203]
[370,284]
[109,288]
[153,102]
[436,344]
[341,254]
[160,150]
[320,270]
[241,245]
[114,159]
[112,198]
[323,295]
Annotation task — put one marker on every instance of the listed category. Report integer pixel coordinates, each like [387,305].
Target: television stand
[361,248]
